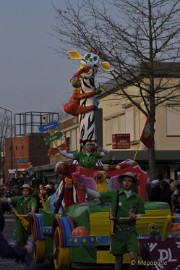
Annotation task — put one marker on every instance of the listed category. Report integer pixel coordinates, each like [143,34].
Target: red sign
[121,141]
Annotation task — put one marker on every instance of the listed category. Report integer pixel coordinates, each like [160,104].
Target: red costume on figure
[73,106]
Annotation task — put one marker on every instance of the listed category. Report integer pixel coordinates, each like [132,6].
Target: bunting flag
[146,138]
[57,135]
[49,126]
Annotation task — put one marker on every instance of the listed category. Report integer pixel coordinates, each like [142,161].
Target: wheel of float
[61,251]
[61,254]
[40,247]
[39,252]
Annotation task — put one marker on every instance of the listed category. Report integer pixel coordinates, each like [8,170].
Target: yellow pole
[136,151]
[166,227]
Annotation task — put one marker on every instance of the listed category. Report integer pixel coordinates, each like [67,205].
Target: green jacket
[88,161]
[22,205]
[121,205]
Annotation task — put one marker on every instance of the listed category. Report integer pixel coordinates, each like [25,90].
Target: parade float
[79,236]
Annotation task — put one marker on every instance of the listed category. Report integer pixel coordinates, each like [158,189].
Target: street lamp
[11,124]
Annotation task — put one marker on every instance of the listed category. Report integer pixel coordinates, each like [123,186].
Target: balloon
[80,231]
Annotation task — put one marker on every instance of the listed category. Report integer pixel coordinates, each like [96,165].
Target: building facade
[21,151]
[119,116]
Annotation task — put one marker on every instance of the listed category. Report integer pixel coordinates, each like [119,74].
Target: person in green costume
[87,157]
[126,206]
[23,205]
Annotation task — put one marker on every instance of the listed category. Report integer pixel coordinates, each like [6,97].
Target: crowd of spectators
[161,190]
[39,191]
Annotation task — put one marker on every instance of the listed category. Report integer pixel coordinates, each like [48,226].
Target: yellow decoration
[75,55]
[68,182]
[83,240]
[104,256]
[105,168]
[92,239]
[106,66]
[100,178]
[96,219]
[23,218]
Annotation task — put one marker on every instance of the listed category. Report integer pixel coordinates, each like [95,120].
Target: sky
[33,76]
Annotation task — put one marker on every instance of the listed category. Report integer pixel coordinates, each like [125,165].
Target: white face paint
[89,64]
[91,59]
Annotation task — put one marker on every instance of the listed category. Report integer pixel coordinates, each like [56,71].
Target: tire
[39,253]
[61,253]
[40,245]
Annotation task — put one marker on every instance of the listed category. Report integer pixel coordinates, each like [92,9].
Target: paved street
[10,264]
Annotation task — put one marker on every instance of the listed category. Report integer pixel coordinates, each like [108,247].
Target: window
[173,120]
[130,122]
[73,140]
[108,132]
[115,125]
[122,123]
[137,131]
[68,143]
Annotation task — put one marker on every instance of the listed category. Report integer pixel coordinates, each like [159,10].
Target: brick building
[27,146]
[19,151]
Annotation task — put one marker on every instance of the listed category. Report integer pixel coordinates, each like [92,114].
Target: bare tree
[5,132]
[140,38]
[62,114]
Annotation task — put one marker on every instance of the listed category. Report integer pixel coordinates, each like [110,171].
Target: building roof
[162,70]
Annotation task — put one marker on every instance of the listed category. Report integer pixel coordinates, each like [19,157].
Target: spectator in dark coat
[165,194]
[153,190]
[36,194]
[175,200]
[7,251]
[1,220]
